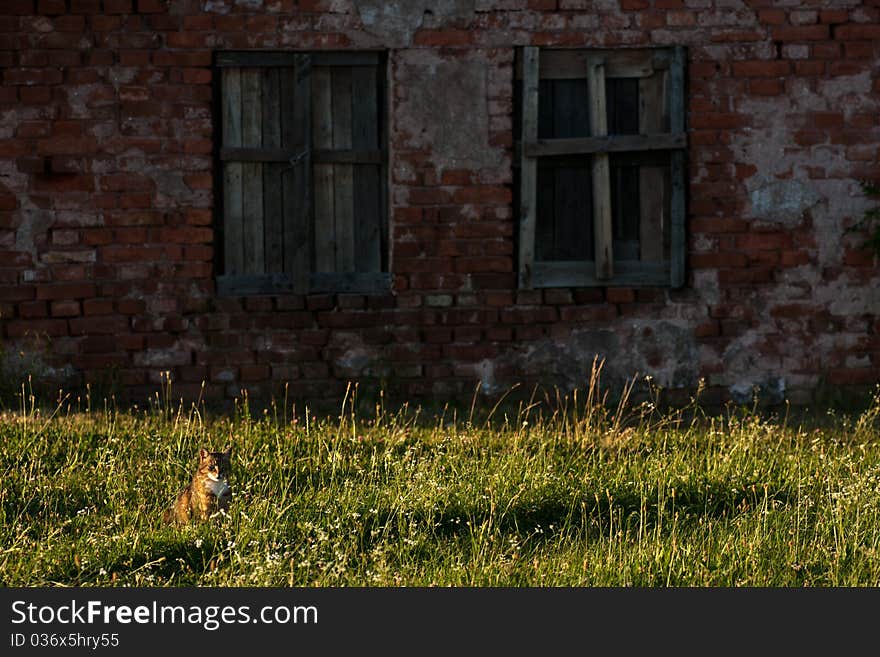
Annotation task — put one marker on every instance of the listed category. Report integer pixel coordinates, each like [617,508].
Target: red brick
[197,76]
[490,195]
[32,309]
[97,307]
[64,308]
[117,6]
[684,18]
[715,260]
[772,16]
[859,49]
[840,68]
[620,295]
[809,68]
[448,38]
[127,182]
[861,32]
[766,87]
[186,235]
[761,68]
[131,306]
[50,7]
[428,196]
[708,329]
[861,376]
[32,76]
[53,328]
[833,16]
[826,119]
[18,7]
[66,291]
[107,325]
[456,177]
[801,33]
[718,120]
[152,6]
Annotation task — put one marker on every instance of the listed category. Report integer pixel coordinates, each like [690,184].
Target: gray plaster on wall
[397,22]
[444,109]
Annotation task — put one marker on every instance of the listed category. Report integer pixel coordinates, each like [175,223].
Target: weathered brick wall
[107,245]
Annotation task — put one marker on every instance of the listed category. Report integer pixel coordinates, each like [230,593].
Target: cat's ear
[228,450]
[203,454]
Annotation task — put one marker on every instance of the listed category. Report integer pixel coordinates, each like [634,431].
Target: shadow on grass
[164,556]
[583,513]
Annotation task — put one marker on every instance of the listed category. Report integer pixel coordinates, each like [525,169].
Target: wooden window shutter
[600,169]
[528,167]
[266,171]
[349,160]
[678,238]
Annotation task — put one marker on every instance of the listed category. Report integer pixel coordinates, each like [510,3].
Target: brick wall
[107,245]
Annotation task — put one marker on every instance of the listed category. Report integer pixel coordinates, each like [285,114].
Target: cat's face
[214,465]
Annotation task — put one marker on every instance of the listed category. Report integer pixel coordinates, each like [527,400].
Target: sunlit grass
[574,493]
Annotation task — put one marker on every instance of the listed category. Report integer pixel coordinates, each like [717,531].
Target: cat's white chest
[217,486]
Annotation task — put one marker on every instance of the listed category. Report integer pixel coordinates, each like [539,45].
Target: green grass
[583,495]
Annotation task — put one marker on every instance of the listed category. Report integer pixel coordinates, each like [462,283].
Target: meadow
[563,491]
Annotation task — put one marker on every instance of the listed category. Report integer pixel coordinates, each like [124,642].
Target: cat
[208,493]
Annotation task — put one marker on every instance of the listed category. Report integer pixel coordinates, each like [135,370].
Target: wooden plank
[653,106]
[251,108]
[233,253]
[253,218]
[273,196]
[262,59]
[296,182]
[381,96]
[233,219]
[603,144]
[271,107]
[653,194]
[678,241]
[350,156]
[351,282]
[347,59]
[581,273]
[252,173]
[559,64]
[250,284]
[528,167]
[366,186]
[602,239]
[254,58]
[273,216]
[324,225]
[343,174]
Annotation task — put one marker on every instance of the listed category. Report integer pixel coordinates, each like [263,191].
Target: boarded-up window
[302,163]
[601,167]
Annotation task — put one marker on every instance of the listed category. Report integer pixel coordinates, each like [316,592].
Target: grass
[575,493]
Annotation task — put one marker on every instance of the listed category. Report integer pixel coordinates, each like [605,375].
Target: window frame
[602,270]
[303,279]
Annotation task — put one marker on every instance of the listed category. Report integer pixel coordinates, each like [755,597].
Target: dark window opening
[601,169]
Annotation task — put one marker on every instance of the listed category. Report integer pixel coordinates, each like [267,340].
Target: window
[301,165]
[601,167]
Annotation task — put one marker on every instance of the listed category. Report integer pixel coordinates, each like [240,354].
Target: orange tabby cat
[207,493]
